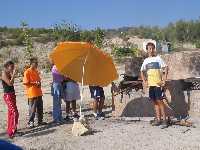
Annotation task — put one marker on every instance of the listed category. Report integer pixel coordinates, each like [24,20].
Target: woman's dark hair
[8,63]
[150,44]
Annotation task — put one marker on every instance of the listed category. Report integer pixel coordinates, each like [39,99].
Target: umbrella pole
[82,82]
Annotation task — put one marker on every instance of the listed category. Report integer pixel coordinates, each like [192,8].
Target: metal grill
[191,84]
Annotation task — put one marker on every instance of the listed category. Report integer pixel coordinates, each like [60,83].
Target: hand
[14,71]
[162,83]
[38,84]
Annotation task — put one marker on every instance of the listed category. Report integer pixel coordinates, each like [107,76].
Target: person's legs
[101,97]
[163,114]
[73,106]
[159,97]
[67,109]
[39,105]
[95,100]
[157,110]
[13,114]
[157,120]
[101,105]
[153,98]
[75,114]
[32,110]
[57,112]
[162,109]
[95,105]
[95,108]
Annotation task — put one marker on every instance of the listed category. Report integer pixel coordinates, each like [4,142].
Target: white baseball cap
[146,42]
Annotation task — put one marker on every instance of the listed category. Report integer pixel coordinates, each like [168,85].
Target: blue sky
[97,13]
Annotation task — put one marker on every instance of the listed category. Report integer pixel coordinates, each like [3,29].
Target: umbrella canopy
[83,62]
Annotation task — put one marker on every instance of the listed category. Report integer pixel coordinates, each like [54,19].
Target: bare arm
[143,77]
[165,73]
[6,79]
[30,83]
[144,82]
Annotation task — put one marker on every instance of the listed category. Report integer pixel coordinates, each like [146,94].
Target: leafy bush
[125,51]
[197,44]
[66,32]
[20,39]
[87,36]
[3,44]
[99,37]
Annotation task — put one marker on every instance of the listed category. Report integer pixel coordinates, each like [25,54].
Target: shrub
[125,51]
[66,32]
[87,36]
[99,37]
[197,44]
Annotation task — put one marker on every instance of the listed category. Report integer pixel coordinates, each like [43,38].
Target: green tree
[181,31]
[87,36]
[99,37]
[66,32]
[131,50]
[27,40]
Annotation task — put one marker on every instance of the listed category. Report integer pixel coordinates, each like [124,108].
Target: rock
[80,127]
[135,106]
[133,65]
[183,65]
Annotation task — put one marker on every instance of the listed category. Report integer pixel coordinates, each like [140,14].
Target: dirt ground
[110,134]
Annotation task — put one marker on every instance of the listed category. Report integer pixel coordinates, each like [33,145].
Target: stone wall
[132,66]
[194,102]
[182,65]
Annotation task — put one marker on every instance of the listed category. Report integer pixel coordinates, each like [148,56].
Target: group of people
[62,88]
[153,73]
[67,89]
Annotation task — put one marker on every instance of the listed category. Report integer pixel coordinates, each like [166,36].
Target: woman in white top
[71,94]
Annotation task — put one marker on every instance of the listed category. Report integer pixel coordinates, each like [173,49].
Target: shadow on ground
[37,131]
[143,107]
[138,107]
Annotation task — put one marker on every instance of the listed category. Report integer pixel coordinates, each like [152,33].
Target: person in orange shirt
[32,84]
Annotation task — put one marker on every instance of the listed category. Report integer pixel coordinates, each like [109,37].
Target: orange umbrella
[83,61]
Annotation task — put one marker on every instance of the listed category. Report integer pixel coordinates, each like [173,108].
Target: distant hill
[182,34]
[178,32]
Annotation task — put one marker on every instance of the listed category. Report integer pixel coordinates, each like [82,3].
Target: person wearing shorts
[97,94]
[153,67]
[71,95]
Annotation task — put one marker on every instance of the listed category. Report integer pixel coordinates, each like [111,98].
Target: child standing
[97,94]
[32,82]
[155,79]
[71,94]
[8,76]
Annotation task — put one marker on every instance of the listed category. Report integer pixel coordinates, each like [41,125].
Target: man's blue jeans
[57,97]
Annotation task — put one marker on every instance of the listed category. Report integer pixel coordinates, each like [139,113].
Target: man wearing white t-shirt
[153,67]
